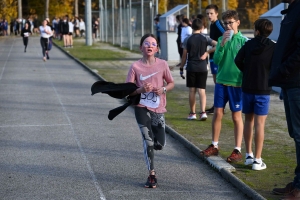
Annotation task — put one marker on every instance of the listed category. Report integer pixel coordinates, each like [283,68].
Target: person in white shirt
[76,26]
[45,32]
[81,27]
[186,29]
[71,30]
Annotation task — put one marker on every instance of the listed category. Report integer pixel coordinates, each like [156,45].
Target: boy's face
[231,24]
[212,15]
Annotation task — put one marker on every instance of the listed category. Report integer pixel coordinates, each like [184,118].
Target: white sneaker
[203,116]
[259,166]
[249,160]
[192,116]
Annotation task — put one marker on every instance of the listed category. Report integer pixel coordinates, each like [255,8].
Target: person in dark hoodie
[254,60]
[285,73]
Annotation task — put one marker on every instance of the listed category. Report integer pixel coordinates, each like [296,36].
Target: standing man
[216,30]
[285,73]
[157,29]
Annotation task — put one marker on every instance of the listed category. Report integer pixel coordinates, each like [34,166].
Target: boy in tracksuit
[254,60]
[228,85]
[216,30]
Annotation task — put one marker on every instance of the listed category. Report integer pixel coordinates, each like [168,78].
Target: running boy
[228,85]
[216,31]
[153,77]
[194,47]
[254,60]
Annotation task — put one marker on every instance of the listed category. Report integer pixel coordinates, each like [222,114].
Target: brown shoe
[284,191]
[295,194]
[211,150]
[235,156]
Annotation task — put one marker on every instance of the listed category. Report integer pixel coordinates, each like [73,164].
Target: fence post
[88,19]
[130,27]
[142,17]
[113,20]
[120,21]
[106,19]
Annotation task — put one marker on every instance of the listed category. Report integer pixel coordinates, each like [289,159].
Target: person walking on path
[194,47]
[228,86]
[285,73]
[154,79]
[45,32]
[216,30]
[50,42]
[64,30]
[254,60]
[25,32]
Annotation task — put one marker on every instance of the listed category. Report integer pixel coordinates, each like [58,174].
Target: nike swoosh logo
[142,78]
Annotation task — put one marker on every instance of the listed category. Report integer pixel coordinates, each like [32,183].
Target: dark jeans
[291,98]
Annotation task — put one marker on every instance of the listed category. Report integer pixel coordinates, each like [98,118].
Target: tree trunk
[20,9]
[76,7]
[47,8]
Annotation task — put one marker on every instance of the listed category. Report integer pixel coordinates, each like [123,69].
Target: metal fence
[124,22]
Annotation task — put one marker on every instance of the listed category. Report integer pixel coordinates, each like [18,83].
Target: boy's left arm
[219,52]
[239,59]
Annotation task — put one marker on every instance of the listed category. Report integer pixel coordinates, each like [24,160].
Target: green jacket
[228,73]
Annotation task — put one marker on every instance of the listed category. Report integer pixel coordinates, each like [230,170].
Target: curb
[224,168]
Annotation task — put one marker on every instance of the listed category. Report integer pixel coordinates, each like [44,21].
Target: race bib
[150,99]
[26,34]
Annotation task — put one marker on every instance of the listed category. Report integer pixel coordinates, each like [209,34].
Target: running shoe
[249,160]
[151,182]
[203,116]
[210,110]
[259,166]
[192,116]
[47,56]
[211,150]
[44,59]
[235,156]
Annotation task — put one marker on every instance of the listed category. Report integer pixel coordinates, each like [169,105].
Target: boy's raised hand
[226,37]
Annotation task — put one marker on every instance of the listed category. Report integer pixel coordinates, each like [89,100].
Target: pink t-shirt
[140,73]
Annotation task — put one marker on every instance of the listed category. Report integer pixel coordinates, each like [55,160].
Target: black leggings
[44,44]
[25,41]
[152,127]
[180,49]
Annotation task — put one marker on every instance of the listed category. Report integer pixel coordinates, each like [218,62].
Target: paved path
[57,143]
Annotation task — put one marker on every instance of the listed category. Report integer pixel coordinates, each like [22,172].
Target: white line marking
[96,184]
[33,125]
[6,60]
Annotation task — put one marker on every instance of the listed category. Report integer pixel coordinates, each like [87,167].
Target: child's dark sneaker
[151,182]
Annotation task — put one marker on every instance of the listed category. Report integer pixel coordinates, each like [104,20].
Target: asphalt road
[56,141]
